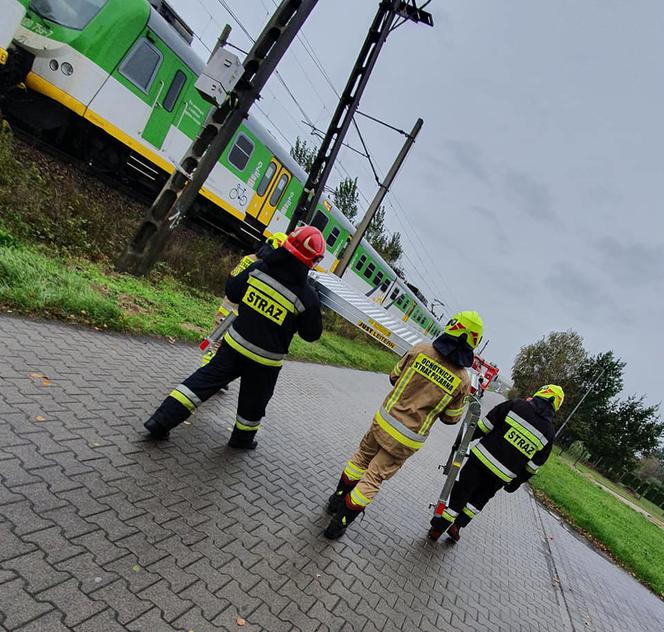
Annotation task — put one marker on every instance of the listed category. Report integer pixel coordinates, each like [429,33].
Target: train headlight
[67,68]
[53,64]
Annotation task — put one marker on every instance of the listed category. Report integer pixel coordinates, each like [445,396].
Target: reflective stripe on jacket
[426,387]
[518,438]
[275,301]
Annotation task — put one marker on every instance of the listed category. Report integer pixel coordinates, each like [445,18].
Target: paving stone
[103,622]
[68,598]
[103,550]
[12,546]
[38,573]
[90,574]
[152,620]
[216,534]
[121,600]
[169,603]
[17,606]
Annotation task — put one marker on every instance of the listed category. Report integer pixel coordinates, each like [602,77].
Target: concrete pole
[377,201]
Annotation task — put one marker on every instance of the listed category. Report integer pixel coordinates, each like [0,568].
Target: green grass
[629,537]
[642,502]
[84,292]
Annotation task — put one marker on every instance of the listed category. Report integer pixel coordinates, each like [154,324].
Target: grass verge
[80,291]
[633,541]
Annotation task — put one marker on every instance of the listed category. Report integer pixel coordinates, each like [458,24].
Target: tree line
[617,432]
[346,198]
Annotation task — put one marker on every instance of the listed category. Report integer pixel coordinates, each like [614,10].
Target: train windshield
[73,14]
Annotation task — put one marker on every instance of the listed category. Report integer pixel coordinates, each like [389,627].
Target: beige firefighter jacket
[426,387]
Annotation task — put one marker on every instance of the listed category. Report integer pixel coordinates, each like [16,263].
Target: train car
[112,81]
[13,12]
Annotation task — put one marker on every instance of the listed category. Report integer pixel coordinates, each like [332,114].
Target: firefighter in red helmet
[275,302]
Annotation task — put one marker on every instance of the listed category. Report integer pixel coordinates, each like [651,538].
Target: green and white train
[113,82]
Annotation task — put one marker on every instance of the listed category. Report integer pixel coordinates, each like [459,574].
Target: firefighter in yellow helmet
[274,241]
[430,382]
[516,440]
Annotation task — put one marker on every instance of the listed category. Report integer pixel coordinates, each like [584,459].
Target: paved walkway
[101,530]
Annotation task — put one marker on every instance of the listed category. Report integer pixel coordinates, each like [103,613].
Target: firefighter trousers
[368,468]
[476,486]
[257,383]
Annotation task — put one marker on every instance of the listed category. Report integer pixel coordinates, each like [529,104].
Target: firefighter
[275,301]
[228,307]
[430,382]
[516,440]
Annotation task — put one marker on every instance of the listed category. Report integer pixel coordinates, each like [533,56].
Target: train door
[269,192]
[168,90]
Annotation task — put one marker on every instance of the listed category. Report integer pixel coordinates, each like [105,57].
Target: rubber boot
[340,522]
[242,439]
[438,526]
[336,501]
[157,430]
[453,532]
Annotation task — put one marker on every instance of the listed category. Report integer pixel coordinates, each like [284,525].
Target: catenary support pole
[383,23]
[181,189]
[384,187]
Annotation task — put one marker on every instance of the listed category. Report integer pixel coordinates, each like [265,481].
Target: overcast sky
[534,191]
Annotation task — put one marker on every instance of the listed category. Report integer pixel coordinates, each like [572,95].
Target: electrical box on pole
[384,187]
[236,95]
[389,12]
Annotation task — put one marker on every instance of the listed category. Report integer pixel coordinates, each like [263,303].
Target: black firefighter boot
[159,425]
[438,526]
[336,501]
[242,439]
[340,522]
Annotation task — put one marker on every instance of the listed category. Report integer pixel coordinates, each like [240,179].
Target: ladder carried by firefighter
[356,308]
[458,453]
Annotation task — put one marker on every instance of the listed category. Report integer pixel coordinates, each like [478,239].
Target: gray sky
[533,193]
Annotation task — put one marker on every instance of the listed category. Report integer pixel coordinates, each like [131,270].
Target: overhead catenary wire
[339,167]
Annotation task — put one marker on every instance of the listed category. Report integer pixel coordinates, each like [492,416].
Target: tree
[626,429]
[346,197]
[303,154]
[554,359]
[600,395]
[388,246]
[614,431]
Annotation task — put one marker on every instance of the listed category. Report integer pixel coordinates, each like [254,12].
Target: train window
[394,294]
[73,14]
[141,64]
[359,264]
[266,179]
[379,278]
[320,221]
[279,189]
[333,236]
[371,268]
[241,152]
[386,284]
[174,91]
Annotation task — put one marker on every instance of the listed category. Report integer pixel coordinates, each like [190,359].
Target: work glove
[510,488]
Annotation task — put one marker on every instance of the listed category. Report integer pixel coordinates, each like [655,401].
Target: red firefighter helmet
[306,244]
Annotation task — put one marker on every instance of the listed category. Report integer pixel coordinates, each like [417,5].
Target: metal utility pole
[590,388]
[388,12]
[239,91]
[377,201]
